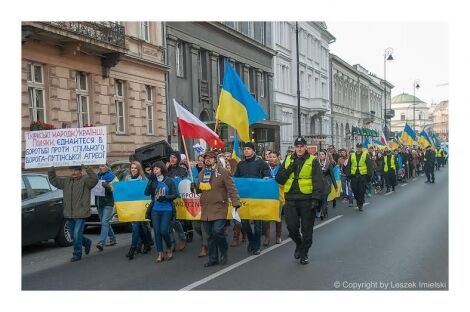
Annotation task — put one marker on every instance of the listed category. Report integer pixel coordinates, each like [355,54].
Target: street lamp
[415,86]
[387,57]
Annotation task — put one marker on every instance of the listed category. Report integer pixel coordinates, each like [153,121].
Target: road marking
[404,184]
[246,260]
[386,194]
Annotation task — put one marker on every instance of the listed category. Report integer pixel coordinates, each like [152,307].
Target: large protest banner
[65,147]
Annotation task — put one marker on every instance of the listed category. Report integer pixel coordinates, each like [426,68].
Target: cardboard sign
[312,149]
[65,147]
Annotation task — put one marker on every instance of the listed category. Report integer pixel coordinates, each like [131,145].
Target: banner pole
[187,156]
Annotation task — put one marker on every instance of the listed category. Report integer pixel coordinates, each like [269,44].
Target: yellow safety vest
[362,164]
[392,163]
[440,153]
[305,176]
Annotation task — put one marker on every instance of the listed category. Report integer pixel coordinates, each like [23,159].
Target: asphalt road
[399,242]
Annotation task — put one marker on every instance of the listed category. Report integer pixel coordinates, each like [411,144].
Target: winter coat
[253,167]
[76,192]
[214,202]
[177,171]
[327,177]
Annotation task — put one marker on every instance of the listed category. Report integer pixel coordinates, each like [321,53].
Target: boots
[203,252]
[236,235]
[130,253]
[244,236]
[266,230]
[278,232]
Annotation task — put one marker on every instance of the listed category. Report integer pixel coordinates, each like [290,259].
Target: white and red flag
[382,138]
[192,127]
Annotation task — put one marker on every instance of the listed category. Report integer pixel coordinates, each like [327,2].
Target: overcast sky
[421,51]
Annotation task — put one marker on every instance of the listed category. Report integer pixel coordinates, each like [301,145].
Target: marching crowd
[309,183]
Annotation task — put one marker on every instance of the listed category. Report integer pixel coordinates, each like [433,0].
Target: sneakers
[223,259]
[210,263]
[99,247]
[304,260]
[181,245]
[360,207]
[256,252]
[111,243]
[297,252]
[75,258]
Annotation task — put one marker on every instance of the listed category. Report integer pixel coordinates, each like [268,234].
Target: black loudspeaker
[151,153]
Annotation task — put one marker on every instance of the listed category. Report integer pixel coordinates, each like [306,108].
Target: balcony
[104,39]
[389,113]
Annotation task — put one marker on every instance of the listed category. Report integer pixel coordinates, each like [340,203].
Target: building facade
[314,80]
[78,74]
[409,110]
[357,102]
[197,52]
[439,117]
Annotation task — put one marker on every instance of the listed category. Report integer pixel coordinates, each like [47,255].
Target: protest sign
[65,147]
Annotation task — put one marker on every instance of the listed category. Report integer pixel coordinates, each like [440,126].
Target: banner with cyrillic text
[65,147]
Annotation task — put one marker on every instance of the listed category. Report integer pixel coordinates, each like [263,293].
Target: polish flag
[383,139]
[192,127]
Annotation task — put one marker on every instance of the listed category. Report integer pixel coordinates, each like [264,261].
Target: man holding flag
[429,159]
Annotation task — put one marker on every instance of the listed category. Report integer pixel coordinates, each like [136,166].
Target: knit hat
[177,155]
[210,154]
[250,145]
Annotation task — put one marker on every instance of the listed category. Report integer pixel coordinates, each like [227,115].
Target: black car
[42,211]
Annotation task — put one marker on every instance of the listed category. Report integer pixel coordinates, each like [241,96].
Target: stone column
[171,88]
[214,57]
[195,103]
[246,75]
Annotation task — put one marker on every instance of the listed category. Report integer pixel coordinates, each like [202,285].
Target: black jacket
[177,171]
[294,193]
[253,167]
[429,158]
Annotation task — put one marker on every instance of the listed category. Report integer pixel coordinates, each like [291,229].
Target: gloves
[161,198]
[291,168]
[193,188]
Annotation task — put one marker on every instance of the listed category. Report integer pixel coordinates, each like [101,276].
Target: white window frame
[145,31]
[33,87]
[119,101]
[82,94]
[179,59]
[149,109]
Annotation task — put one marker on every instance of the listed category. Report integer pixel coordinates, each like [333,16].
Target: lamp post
[387,57]
[415,86]
[298,78]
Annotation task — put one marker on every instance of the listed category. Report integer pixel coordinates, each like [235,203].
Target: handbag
[149,210]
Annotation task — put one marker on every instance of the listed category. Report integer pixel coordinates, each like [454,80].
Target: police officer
[389,170]
[439,157]
[303,185]
[359,169]
[429,159]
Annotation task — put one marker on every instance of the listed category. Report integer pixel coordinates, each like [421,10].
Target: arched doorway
[204,116]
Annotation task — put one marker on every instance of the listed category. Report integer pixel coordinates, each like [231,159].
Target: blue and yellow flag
[435,139]
[130,201]
[424,140]
[236,153]
[393,144]
[237,107]
[408,136]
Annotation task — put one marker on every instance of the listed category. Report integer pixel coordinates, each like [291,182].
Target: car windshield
[39,184]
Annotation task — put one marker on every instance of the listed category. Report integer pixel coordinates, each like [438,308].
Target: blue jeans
[216,239]
[76,227]
[253,238]
[161,226]
[347,192]
[141,234]
[105,214]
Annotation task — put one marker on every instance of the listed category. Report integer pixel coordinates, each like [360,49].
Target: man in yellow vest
[359,170]
[439,157]
[303,185]
[389,170]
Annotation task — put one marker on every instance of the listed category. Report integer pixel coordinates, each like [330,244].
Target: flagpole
[187,156]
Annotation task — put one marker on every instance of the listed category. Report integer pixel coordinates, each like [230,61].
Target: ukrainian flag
[130,201]
[424,139]
[236,153]
[256,205]
[393,144]
[408,136]
[237,107]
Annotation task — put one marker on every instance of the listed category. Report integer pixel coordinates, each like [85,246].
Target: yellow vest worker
[359,170]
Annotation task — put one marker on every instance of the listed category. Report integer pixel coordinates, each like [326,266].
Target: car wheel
[64,238]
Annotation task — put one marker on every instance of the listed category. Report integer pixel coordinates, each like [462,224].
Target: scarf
[205,185]
[324,165]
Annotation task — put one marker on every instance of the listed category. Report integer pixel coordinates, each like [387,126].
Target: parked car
[42,211]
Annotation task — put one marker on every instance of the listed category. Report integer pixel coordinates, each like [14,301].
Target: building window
[145,31]
[287,130]
[179,59]
[402,117]
[37,111]
[259,31]
[120,107]
[81,91]
[261,85]
[301,84]
[323,90]
[317,88]
[149,108]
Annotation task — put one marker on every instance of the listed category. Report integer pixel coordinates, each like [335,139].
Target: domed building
[403,104]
